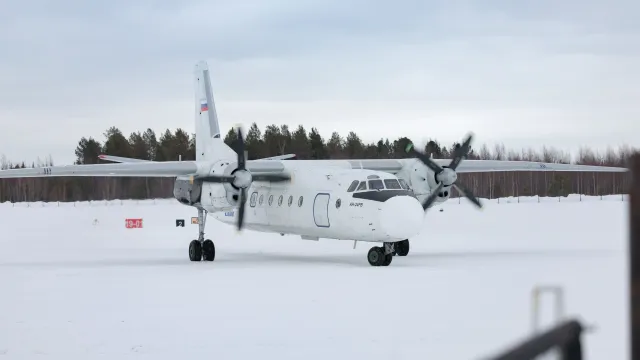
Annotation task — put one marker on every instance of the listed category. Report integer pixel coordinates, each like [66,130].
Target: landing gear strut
[381,255]
[202,249]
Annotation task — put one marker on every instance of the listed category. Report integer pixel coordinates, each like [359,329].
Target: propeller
[241,178]
[446,176]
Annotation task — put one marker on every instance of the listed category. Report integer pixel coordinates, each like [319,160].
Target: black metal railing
[565,337]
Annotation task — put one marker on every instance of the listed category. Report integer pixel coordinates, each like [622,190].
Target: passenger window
[280,200]
[353,186]
[252,202]
[363,186]
[392,184]
[270,199]
[300,201]
[290,199]
[261,199]
[376,185]
[403,184]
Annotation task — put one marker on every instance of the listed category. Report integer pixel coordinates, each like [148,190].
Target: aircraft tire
[402,247]
[208,250]
[195,251]
[387,260]
[376,256]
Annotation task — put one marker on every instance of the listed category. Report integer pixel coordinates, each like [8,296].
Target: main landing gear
[382,255]
[202,249]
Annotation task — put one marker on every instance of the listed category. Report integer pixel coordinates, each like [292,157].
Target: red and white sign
[133,223]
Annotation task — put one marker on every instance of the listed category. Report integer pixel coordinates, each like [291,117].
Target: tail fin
[209,143]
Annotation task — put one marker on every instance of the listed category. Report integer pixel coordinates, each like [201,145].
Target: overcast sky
[526,73]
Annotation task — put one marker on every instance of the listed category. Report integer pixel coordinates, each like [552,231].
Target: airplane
[380,201]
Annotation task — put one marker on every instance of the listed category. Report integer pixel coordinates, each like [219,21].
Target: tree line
[309,144]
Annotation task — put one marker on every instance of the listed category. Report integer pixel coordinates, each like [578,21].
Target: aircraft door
[321,210]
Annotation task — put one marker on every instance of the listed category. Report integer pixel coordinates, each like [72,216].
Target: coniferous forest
[308,144]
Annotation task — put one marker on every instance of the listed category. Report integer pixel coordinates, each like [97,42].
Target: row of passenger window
[391,184]
[254,196]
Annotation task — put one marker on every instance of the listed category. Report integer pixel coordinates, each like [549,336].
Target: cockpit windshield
[376,185]
[353,185]
[392,184]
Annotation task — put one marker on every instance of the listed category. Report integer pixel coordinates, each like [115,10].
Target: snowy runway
[72,289]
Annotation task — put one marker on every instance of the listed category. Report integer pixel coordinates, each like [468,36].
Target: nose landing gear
[402,247]
[382,255]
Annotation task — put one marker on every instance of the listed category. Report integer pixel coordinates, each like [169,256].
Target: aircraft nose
[401,217]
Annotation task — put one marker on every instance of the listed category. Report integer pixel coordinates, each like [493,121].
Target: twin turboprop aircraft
[380,201]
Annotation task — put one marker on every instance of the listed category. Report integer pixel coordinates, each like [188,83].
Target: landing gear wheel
[402,248]
[387,259]
[208,250]
[195,250]
[376,256]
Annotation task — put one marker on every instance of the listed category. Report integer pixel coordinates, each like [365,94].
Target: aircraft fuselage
[324,202]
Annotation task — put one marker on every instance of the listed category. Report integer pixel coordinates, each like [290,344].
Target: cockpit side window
[376,185]
[363,186]
[404,184]
[353,186]
[392,184]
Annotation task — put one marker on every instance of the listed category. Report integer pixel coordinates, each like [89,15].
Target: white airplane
[380,201]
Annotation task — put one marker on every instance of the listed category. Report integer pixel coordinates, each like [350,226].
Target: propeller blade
[271,177]
[461,152]
[424,158]
[243,197]
[432,197]
[468,194]
[240,150]
[217,178]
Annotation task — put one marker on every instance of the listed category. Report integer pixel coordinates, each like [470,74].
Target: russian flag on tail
[204,106]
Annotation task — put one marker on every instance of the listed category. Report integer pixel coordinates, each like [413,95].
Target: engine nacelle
[186,192]
[422,180]
[227,168]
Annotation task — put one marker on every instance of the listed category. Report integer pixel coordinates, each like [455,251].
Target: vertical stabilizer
[209,143]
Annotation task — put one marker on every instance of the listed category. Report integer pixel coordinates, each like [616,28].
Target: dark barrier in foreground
[565,337]
[634,257]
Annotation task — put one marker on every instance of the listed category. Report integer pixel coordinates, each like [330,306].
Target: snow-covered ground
[75,284]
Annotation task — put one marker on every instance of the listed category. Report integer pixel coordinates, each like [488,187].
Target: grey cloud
[90,65]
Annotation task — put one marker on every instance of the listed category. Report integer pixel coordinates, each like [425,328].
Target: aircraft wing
[469,166]
[279,157]
[137,169]
[148,169]
[120,159]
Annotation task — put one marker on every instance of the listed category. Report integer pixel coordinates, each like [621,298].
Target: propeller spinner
[241,178]
[446,176]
